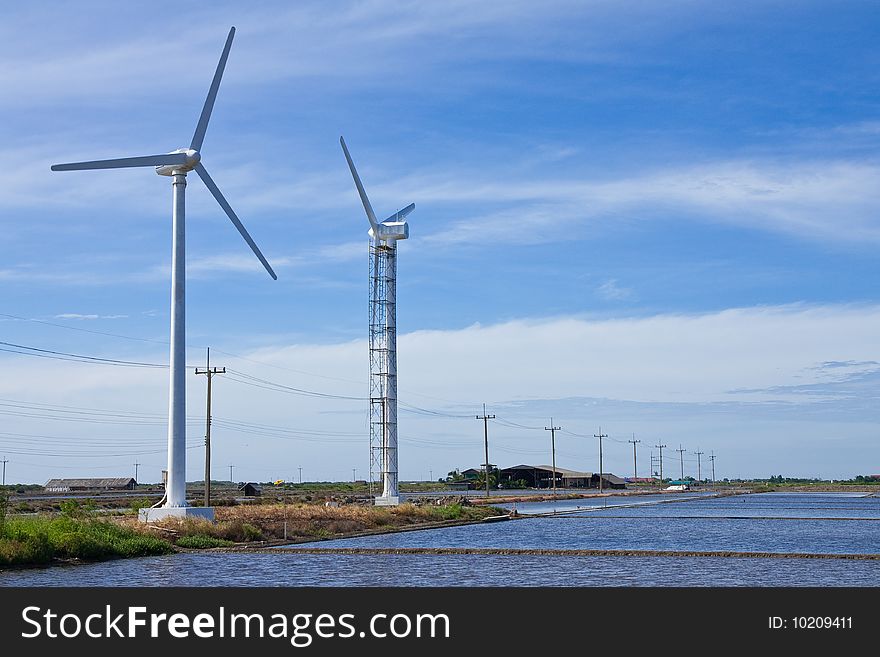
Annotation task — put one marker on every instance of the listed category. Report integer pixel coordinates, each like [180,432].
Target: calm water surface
[781,523]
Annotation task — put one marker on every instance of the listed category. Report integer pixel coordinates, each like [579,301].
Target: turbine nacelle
[391,230]
[192,159]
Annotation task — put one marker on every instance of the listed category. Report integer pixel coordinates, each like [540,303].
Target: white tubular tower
[383,341]
[175,488]
[177,164]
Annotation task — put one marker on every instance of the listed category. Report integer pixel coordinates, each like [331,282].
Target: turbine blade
[202,127]
[124,162]
[400,215]
[357,181]
[203,174]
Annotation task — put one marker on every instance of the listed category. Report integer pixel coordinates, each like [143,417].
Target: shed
[608,481]
[250,489]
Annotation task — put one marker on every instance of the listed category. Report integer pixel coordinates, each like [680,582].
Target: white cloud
[712,377]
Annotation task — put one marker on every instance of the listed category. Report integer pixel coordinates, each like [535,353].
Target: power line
[83,330]
[235,375]
[508,423]
[247,379]
[81,358]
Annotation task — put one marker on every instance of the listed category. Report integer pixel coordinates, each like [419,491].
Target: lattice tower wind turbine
[383,339]
[177,164]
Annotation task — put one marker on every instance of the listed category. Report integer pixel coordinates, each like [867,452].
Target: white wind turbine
[176,165]
[383,339]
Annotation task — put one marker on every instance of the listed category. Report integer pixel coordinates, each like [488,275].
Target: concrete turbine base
[163,512]
[387,500]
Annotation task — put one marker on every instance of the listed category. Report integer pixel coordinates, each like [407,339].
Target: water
[779,523]
[748,523]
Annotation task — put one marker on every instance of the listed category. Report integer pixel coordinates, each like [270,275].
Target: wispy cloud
[244,262]
[80,316]
[613,292]
[814,200]
[361,42]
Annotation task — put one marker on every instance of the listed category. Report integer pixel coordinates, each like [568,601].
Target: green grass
[43,539]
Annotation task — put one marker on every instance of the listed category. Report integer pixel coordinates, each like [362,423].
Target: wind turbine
[383,338]
[177,164]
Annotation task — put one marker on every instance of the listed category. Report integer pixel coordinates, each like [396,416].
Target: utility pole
[699,454]
[681,459]
[600,436]
[431,475]
[485,418]
[635,468]
[553,429]
[230,473]
[660,447]
[135,472]
[209,372]
[5,461]
[353,475]
[712,458]
[300,474]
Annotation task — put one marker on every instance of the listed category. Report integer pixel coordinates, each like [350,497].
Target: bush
[77,509]
[238,531]
[201,542]
[80,545]
[41,539]
[448,512]
[137,504]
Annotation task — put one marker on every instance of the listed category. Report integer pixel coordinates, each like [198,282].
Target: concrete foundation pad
[162,512]
[387,501]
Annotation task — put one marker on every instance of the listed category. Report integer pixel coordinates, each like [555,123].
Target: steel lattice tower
[383,368]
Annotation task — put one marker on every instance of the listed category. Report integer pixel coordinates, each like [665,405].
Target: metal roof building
[541,476]
[106,483]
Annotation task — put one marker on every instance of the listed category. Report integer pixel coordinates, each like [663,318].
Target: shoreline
[265,520]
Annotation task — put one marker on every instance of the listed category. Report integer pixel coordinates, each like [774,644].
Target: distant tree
[480,481]
[454,475]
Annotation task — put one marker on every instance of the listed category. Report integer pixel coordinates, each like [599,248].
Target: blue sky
[657,217]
